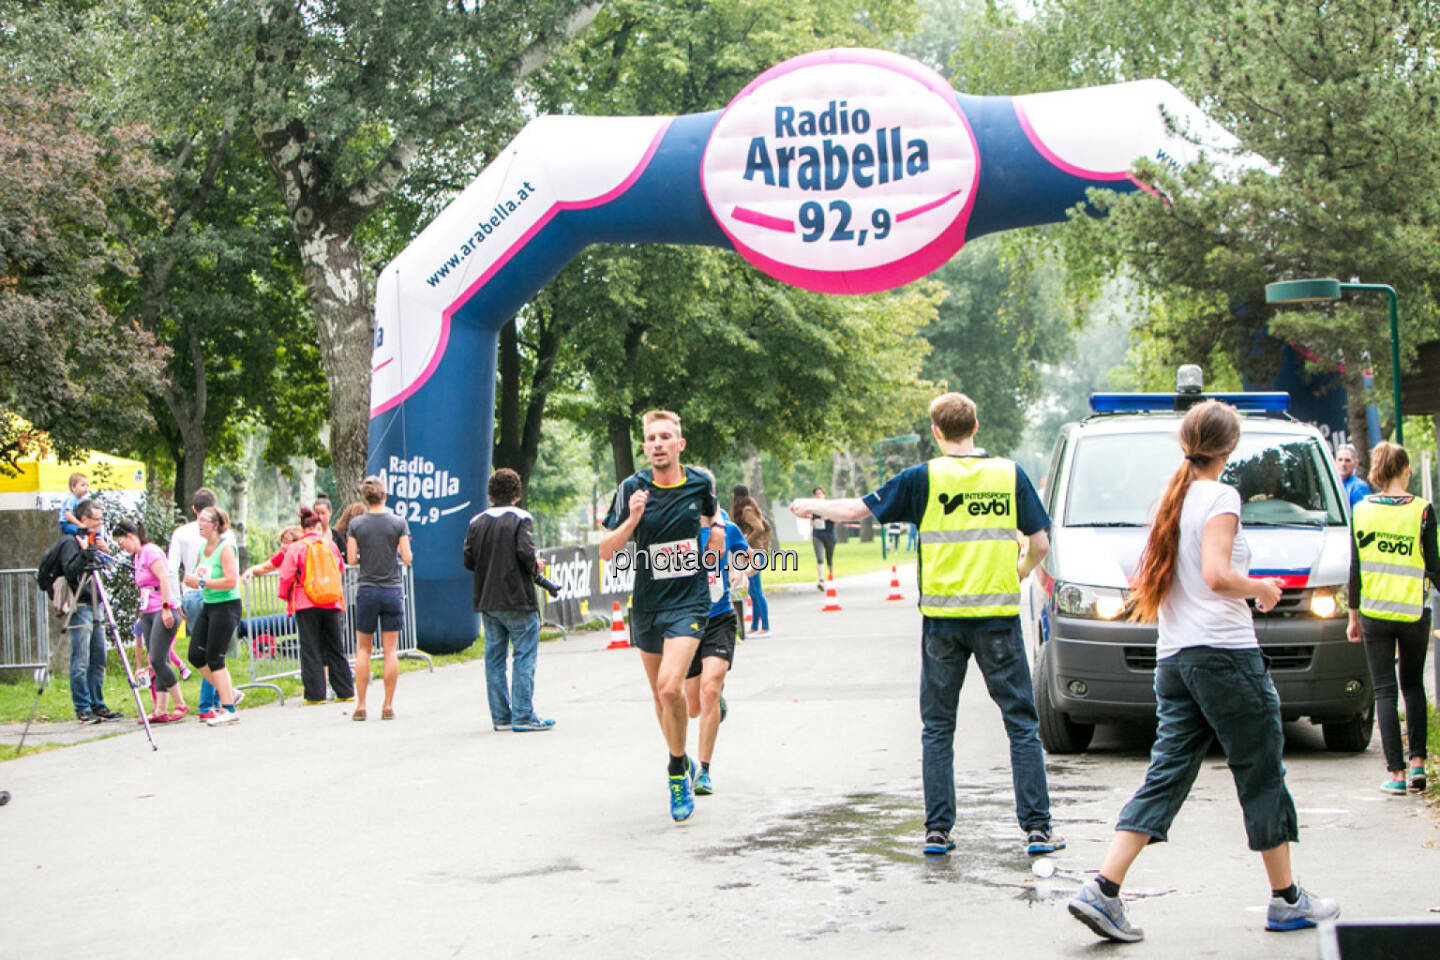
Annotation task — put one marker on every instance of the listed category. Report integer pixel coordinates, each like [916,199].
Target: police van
[1106,474]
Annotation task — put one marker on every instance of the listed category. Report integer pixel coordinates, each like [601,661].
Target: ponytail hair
[1210,430]
[1387,462]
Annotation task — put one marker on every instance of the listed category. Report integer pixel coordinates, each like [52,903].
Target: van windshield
[1116,480]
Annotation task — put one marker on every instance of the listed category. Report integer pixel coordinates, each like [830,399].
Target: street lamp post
[1328,289]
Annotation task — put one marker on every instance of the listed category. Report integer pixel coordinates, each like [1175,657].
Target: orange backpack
[322,575]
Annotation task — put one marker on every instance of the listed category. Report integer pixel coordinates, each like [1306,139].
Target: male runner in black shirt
[664,508]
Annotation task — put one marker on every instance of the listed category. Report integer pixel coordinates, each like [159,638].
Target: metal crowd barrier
[272,640]
[24,630]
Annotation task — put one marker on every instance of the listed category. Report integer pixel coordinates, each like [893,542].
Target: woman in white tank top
[1210,683]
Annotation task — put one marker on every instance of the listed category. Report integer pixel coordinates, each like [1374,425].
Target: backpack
[322,582]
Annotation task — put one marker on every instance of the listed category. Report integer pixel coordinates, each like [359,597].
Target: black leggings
[158,641]
[1382,637]
[320,648]
[824,550]
[211,633]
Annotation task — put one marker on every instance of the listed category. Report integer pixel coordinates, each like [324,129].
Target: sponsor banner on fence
[588,588]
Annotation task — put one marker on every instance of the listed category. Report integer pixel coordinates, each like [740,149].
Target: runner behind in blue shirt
[664,508]
[705,682]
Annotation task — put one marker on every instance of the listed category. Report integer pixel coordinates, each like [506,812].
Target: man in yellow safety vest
[972,510]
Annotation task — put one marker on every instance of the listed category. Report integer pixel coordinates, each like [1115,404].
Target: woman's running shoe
[1396,787]
[224,718]
[1417,779]
[682,803]
[1105,915]
[1304,913]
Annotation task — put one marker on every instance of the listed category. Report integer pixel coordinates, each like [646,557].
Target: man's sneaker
[938,843]
[208,715]
[1300,915]
[533,725]
[1043,841]
[702,784]
[1417,778]
[682,804]
[724,712]
[1396,788]
[820,585]
[105,713]
[87,718]
[223,718]
[502,727]
[1105,915]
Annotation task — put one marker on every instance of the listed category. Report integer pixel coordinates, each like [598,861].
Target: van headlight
[1093,603]
[1327,602]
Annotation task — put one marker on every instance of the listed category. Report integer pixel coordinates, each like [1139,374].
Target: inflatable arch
[842,171]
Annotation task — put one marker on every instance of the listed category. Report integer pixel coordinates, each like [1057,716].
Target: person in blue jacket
[1356,489]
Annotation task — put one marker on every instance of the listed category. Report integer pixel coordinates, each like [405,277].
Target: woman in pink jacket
[318,619]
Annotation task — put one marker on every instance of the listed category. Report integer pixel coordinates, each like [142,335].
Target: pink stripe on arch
[506,257]
[746,215]
[926,208]
[1070,168]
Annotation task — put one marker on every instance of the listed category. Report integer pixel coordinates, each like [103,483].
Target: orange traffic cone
[618,639]
[832,602]
[895,593]
[749,609]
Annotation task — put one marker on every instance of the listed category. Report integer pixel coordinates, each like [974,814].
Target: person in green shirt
[217,576]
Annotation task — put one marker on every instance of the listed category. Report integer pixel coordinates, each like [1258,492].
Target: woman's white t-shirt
[1193,615]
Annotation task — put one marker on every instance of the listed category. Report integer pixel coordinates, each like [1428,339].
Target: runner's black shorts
[649,630]
[719,641]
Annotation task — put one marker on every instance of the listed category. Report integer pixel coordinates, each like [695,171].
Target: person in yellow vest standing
[1393,551]
[972,511]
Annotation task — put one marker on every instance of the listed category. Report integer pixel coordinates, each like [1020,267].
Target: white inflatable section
[554,163]
[1099,132]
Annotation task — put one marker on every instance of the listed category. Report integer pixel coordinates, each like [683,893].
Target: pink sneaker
[209,714]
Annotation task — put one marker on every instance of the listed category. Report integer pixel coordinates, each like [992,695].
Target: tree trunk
[345,325]
[284,509]
[622,448]
[306,475]
[240,511]
[1355,421]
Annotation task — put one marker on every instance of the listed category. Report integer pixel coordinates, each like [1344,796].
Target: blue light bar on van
[1275,402]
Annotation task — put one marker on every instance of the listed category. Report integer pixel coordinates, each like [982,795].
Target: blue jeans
[191,602]
[995,643]
[760,616]
[87,660]
[511,702]
[1201,694]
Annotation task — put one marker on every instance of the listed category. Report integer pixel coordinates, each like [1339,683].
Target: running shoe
[1417,779]
[184,673]
[105,713]
[239,695]
[1396,788]
[938,843]
[87,718]
[1043,841]
[503,727]
[533,725]
[313,703]
[1300,915]
[208,715]
[693,769]
[1105,915]
[702,784]
[682,804]
[724,710]
[224,718]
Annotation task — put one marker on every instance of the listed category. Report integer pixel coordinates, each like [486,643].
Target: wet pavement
[434,836]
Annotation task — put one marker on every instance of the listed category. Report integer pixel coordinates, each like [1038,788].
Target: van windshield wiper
[1308,524]
[1108,523]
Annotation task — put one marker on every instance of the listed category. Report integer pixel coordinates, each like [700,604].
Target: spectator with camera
[500,549]
[72,558]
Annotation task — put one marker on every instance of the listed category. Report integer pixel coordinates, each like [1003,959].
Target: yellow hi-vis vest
[1392,562]
[968,547]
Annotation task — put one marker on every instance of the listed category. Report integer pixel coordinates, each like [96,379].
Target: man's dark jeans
[995,643]
[1204,693]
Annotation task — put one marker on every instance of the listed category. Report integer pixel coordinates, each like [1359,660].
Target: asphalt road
[298,833]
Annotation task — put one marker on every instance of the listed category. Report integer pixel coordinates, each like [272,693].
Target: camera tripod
[100,600]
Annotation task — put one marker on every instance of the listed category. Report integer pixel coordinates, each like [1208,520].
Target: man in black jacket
[500,549]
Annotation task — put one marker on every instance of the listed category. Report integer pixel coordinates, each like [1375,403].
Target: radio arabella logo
[844,171]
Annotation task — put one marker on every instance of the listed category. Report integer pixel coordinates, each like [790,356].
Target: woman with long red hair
[1210,683]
